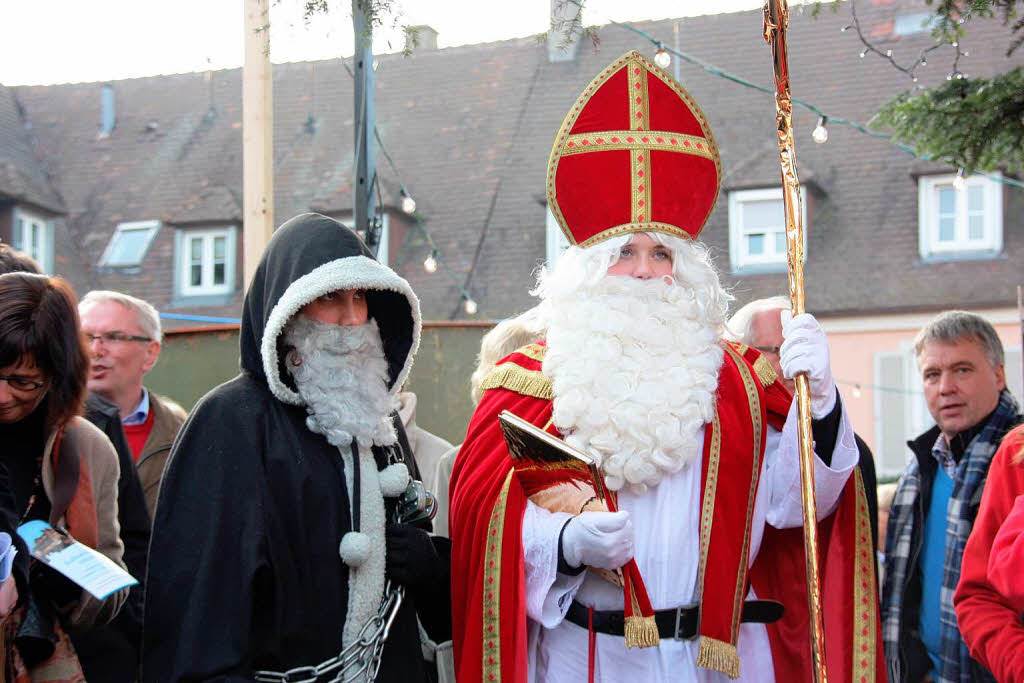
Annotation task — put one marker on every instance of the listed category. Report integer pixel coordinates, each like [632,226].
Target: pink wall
[853,361]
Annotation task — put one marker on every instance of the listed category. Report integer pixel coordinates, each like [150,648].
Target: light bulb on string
[408,203]
[959,183]
[856,391]
[863,53]
[662,58]
[820,134]
[470,306]
[430,263]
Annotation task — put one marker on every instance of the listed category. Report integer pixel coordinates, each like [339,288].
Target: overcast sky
[67,41]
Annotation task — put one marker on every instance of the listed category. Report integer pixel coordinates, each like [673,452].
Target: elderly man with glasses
[123,333]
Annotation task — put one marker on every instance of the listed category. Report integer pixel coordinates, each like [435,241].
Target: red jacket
[1007,557]
[990,620]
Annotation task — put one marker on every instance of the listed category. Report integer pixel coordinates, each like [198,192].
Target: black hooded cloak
[244,570]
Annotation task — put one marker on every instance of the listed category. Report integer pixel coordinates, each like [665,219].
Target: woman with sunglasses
[58,467]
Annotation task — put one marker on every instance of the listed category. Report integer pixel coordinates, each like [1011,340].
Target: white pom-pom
[354,548]
[394,479]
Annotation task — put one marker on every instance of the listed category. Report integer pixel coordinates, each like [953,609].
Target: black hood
[307,257]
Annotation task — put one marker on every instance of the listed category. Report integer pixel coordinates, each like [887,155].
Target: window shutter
[891,414]
[1014,381]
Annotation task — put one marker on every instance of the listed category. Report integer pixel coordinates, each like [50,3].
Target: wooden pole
[257,137]
[776,17]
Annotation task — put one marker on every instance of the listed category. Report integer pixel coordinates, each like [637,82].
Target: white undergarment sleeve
[548,593]
[783,472]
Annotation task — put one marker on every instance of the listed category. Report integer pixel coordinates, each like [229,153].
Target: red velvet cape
[488,503]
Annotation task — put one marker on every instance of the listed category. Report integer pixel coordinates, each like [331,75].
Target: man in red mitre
[692,568]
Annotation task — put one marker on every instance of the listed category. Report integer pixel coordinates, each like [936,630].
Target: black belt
[681,623]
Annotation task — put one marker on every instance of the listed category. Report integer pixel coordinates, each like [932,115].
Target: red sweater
[990,621]
[138,434]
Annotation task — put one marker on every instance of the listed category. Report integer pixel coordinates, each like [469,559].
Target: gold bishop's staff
[776,18]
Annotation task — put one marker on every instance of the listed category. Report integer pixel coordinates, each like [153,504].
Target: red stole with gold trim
[731,467]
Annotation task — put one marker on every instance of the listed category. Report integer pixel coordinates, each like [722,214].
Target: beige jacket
[168,417]
[427,448]
[95,450]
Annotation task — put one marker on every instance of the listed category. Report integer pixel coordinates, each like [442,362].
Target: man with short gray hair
[960,358]
[124,344]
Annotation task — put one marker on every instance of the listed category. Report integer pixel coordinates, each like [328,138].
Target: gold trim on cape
[491,647]
[864,593]
[520,380]
[533,351]
[740,347]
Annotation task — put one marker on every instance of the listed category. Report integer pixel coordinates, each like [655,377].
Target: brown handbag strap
[65,476]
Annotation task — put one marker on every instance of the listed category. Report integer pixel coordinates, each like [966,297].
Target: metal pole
[776,18]
[257,137]
[364,209]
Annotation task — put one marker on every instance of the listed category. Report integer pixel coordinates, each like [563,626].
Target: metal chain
[361,657]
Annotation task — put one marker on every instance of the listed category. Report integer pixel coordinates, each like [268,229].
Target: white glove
[805,350]
[598,539]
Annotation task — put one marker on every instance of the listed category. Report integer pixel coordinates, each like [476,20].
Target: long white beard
[342,375]
[634,367]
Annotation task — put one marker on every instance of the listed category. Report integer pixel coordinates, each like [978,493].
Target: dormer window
[129,243]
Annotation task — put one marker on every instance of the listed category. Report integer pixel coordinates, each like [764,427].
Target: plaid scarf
[904,541]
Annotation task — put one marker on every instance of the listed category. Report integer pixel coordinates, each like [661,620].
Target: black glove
[411,558]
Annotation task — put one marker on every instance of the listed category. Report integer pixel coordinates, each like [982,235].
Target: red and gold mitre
[634,154]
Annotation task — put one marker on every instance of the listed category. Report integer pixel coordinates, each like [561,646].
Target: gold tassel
[765,372]
[718,655]
[641,632]
[520,380]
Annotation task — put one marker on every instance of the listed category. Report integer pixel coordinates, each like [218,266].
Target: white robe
[666,520]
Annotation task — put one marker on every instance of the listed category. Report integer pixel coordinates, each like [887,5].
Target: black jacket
[244,570]
[110,653]
[914,657]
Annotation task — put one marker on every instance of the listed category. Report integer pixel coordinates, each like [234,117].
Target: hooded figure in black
[272,541]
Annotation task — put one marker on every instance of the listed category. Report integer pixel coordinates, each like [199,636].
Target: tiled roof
[22,176]
[470,130]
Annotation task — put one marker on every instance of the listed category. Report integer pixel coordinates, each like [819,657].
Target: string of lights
[662,57]
[857,388]
[409,207]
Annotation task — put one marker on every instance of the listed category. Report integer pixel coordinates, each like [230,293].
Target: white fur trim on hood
[352,272]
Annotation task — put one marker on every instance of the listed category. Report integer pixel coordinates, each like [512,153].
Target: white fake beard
[342,375]
[634,367]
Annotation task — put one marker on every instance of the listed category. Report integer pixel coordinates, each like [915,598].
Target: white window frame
[555,241]
[206,288]
[991,242]
[738,257]
[22,241]
[151,226]
[384,248]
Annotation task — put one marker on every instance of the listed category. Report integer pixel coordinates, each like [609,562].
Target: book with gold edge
[528,442]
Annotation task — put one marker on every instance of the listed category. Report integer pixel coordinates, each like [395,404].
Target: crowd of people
[297,525]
